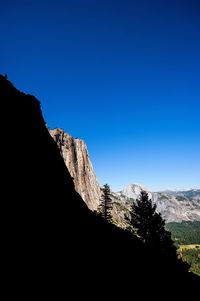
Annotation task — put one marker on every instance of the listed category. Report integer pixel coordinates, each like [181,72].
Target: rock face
[178,206]
[76,157]
[133,191]
[174,206]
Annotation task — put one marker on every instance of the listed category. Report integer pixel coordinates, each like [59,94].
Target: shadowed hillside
[51,239]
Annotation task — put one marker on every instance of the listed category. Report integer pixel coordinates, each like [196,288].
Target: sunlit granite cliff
[76,157]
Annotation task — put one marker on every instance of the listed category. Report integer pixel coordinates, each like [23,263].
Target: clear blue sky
[122,75]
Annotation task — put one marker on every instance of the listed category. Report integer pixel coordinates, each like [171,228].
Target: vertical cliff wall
[76,157]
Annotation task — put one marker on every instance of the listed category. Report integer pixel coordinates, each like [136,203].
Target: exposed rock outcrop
[75,154]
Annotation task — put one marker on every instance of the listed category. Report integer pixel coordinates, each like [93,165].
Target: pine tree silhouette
[150,226]
[105,206]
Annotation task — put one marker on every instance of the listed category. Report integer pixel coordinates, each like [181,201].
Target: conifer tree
[150,226]
[105,206]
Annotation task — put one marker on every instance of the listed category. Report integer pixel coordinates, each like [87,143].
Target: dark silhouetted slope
[51,240]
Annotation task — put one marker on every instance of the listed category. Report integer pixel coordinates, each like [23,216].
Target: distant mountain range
[175,206]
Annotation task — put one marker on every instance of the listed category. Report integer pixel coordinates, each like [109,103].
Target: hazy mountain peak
[134,190]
